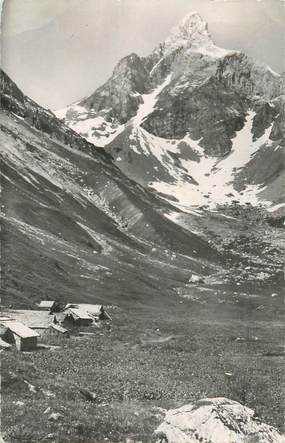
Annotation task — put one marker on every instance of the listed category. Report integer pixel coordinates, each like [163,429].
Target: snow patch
[272,72]
[155,66]
[213,51]
[149,102]
[276,207]
[214,177]
[90,125]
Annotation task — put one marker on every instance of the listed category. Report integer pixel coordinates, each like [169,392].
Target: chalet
[78,317]
[24,337]
[98,312]
[48,305]
[39,320]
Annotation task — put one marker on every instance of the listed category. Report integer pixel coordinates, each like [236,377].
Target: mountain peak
[190,18]
[192,31]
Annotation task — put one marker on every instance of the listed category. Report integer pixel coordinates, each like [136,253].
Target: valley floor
[211,342]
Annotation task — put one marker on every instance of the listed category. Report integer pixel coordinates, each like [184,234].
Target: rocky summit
[215,420]
[192,122]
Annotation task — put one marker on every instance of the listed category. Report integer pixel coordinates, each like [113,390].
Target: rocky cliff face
[240,73]
[14,101]
[215,420]
[121,94]
[175,115]
[188,102]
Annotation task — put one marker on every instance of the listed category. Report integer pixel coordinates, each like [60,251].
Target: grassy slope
[149,358]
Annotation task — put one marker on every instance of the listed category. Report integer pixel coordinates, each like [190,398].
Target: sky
[59,51]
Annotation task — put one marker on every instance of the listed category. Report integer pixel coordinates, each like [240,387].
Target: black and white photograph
[142,221]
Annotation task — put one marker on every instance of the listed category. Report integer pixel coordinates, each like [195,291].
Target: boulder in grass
[215,420]
[196,279]
[88,395]
[55,416]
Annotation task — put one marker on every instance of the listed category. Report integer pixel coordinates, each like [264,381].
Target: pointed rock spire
[192,31]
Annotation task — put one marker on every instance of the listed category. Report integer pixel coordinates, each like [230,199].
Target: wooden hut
[98,312]
[25,338]
[48,305]
[79,317]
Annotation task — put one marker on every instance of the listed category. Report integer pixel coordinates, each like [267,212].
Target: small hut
[37,320]
[97,312]
[25,338]
[79,317]
[48,305]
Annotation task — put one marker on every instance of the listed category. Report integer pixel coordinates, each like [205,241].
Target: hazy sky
[58,51]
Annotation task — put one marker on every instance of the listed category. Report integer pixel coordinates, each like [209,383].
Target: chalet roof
[90,309]
[80,313]
[58,328]
[46,303]
[19,329]
[32,319]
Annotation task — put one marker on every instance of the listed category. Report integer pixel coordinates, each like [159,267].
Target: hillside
[71,217]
